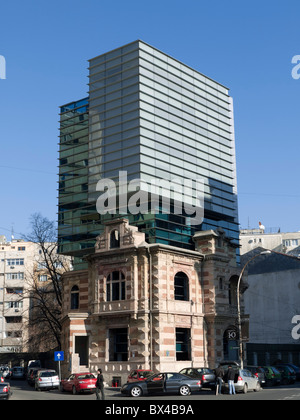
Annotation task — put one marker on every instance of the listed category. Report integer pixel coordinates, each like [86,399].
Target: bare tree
[45,300]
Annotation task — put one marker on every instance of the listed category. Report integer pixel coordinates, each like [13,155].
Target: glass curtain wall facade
[156,118]
[76,216]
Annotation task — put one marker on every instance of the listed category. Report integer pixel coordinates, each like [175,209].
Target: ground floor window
[82,349]
[118,345]
[183,344]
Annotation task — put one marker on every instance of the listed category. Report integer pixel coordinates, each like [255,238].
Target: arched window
[115,286]
[181,286]
[114,239]
[75,297]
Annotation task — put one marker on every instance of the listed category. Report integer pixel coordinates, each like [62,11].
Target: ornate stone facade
[151,306]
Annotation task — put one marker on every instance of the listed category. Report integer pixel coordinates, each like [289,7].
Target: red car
[79,382]
[139,375]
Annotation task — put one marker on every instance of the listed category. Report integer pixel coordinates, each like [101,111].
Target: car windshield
[146,374]
[86,376]
[47,374]
[204,371]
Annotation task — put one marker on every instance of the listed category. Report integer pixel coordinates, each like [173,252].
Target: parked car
[5,372]
[5,391]
[79,382]
[227,363]
[295,368]
[34,364]
[207,376]
[169,382]
[244,381]
[273,376]
[259,373]
[139,375]
[46,380]
[31,375]
[17,372]
[288,375]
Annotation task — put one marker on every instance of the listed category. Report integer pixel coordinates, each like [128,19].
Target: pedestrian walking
[231,377]
[219,380]
[100,386]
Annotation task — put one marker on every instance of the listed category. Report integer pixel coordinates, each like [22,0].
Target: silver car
[244,381]
[46,379]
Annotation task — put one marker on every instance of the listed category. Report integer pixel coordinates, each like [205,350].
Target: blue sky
[247,46]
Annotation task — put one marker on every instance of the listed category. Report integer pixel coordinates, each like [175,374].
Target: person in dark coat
[219,379]
[100,386]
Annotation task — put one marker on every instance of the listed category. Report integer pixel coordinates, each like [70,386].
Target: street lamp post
[239,305]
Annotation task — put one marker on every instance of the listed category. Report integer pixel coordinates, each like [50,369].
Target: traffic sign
[59,356]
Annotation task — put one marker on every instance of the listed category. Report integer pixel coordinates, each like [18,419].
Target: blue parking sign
[59,356]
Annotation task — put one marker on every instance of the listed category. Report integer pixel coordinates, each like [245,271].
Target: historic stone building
[151,306]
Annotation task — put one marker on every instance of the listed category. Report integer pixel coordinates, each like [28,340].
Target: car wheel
[74,391]
[136,391]
[184,390]
[258,387]
[245,390]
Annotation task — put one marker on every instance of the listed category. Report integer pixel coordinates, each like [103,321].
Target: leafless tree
[45,300]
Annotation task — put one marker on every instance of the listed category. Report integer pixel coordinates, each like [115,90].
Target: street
[22,391]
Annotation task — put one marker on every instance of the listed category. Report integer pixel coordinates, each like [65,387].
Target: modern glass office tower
[155,118]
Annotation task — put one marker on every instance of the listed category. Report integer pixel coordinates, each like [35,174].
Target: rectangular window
[14,304]
[14,276]
[82,348]
[14,290]
[118,345]
[42,265]
[183,344]
[15,261]
[115,288]
[13,319]
[43,277]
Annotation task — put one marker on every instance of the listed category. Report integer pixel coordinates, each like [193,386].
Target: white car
[46,379]
[4,371]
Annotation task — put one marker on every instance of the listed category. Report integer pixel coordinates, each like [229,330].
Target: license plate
[91,386]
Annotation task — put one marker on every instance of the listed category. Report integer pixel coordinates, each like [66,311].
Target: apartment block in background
[22,269]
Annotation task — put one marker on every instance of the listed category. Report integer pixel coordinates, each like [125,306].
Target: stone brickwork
[147,319]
